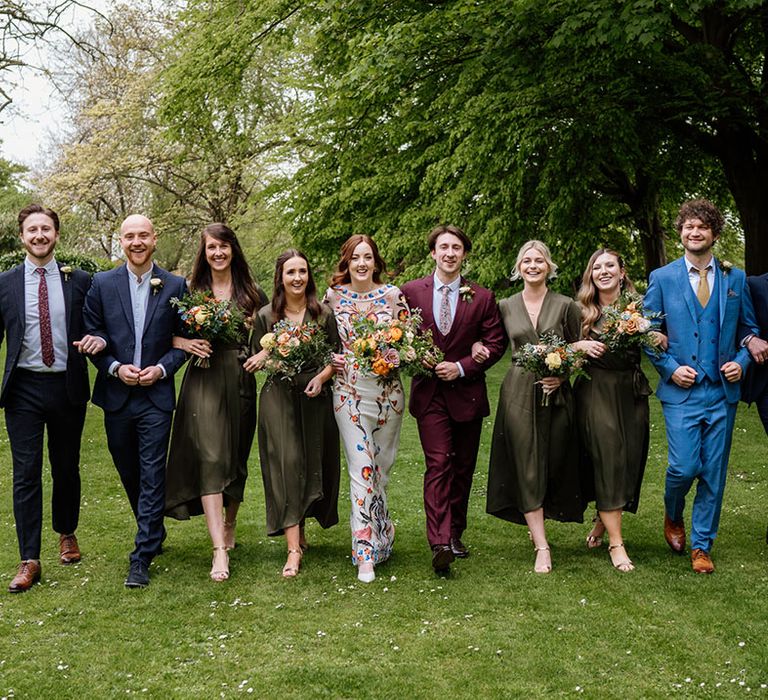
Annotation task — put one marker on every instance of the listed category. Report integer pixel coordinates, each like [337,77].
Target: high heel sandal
[292,571]
[625,565]
[595,541]
[219,574]
[366,572]
[546,569]
[229,527]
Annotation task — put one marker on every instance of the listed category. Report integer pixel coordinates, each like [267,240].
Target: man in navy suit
[708,317]
[755,389]
[45,386]
[129,307]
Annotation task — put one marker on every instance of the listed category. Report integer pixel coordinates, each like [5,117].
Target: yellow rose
[267,341]
[553,360]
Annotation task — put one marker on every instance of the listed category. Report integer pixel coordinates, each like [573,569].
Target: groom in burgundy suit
[450,406]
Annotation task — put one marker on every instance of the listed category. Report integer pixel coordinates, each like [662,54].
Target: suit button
[693,357]
[695,335]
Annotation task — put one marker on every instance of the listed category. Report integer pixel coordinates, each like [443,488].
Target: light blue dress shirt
[31,355]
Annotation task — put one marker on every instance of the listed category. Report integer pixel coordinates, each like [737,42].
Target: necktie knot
[40,271]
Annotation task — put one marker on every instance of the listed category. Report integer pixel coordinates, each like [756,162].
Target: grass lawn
[491,629]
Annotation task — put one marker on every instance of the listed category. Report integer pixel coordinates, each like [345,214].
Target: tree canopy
[580,122]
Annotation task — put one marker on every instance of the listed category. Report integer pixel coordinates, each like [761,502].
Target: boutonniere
[466,293]
[726,266]
[156,284]
[66,270]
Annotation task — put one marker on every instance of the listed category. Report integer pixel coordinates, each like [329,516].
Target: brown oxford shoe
[674,534]
[69,552]
[701,562]
[26,577]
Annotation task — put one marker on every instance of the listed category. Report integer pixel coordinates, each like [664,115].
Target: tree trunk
[651,237]
[745,170]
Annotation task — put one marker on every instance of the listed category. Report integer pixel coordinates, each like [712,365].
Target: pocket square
[731,293]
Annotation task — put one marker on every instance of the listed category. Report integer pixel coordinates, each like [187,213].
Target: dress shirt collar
[453,286]
[51,268]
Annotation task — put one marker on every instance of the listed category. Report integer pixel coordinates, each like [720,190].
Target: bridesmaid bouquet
[211,319]
[551,357]
[294,348]
[625,325]
[390,347]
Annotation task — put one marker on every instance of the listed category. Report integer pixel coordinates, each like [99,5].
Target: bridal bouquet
[389,347]
[626,325]
[294,348]
[551,357]
[211,319]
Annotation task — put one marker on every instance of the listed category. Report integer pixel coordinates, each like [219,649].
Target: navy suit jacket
[13,324]
[108,314]
[756,382]
[669,293]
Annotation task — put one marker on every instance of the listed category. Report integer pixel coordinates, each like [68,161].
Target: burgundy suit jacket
[478,319]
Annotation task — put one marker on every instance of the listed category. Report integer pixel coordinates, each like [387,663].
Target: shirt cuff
[162,369]
[745,340]
[461,369]
[114,367]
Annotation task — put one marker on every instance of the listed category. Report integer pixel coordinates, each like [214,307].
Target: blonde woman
[533,472]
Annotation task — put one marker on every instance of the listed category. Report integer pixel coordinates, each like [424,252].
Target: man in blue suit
[708,317]
[129,307]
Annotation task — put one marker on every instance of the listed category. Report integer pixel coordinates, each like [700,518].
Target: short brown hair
[37,209]
[703,210]
[438,231]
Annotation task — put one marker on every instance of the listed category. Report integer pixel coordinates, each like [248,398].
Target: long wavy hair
[246,293]
[341,275]
[278,288]
[588,296]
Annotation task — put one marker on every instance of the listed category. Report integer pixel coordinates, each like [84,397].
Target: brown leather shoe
[69,552]
[26,577]
[674,534]
[701,562]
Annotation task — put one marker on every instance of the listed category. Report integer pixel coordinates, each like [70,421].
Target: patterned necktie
[702,292]
[445,320]
[46,337]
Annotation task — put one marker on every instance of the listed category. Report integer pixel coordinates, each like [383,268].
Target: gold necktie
[702,293]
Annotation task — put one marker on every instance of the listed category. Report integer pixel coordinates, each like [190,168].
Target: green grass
[492,629]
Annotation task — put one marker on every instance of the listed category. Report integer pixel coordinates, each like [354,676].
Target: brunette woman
[216,414]
[298,440]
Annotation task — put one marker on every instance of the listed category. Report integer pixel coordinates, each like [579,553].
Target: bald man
[129,307]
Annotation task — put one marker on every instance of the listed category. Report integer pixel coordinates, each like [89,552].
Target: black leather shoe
[458,548]
[138,575]
[442,558]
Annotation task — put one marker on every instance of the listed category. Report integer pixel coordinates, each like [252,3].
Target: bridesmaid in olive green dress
[216,414]
[298,439]
[533,471]
[611,409]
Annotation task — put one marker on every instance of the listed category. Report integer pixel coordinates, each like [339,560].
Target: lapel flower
[156,284]
[66,270]
[466,293]
[726,266]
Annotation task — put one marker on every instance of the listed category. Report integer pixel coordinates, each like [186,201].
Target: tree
[22,24]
